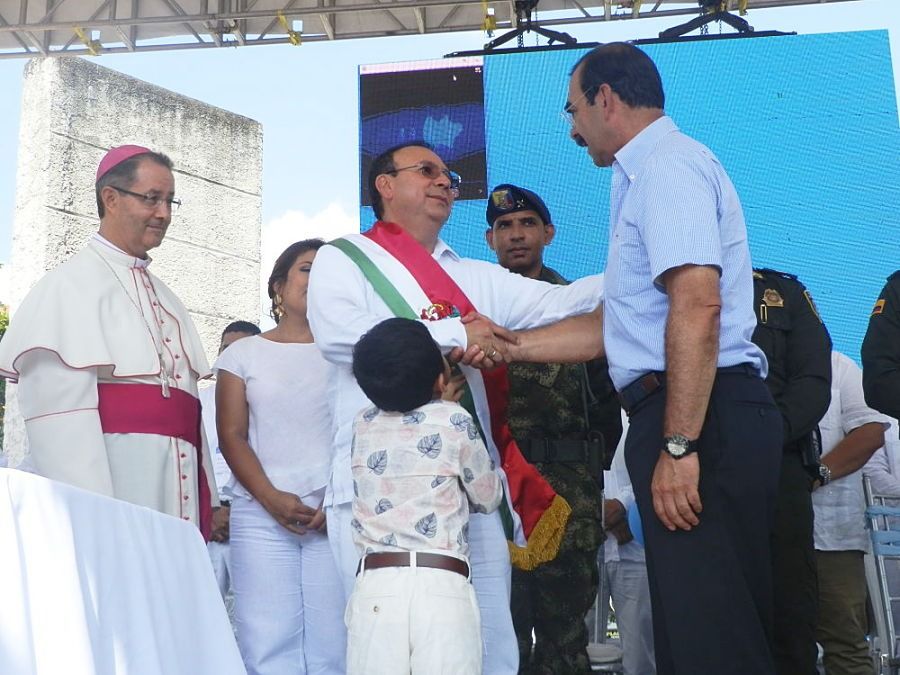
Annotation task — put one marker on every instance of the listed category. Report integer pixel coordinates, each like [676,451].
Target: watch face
[675,448]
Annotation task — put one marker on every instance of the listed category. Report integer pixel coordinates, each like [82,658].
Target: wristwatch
[678,446]
[824,474]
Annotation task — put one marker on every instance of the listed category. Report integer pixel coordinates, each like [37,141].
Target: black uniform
[797,345]
[881,351]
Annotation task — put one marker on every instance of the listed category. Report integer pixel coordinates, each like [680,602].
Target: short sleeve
[234,359]
[678,218]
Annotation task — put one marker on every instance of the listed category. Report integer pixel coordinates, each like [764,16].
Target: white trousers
[289,602]
[413,621]
[220,557]
[626,581]
[491,577]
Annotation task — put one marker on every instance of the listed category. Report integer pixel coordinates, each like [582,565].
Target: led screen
[806,126]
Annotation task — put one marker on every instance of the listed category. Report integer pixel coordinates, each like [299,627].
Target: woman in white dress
[274,429]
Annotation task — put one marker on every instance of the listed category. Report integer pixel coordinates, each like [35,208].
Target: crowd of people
[406,474]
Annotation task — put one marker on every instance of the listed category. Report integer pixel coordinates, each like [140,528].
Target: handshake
[571,340]
[488,345]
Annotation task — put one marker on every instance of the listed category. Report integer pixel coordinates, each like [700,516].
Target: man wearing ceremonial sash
[107,358]
[402,268]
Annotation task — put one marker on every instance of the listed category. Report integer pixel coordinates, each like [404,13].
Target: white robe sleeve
[62,421]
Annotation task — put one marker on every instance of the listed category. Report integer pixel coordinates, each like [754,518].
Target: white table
[92,585]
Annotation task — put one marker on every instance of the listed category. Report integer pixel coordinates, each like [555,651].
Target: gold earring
[278,309]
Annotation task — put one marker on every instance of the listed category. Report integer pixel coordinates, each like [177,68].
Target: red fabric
[530,493]
[142,409]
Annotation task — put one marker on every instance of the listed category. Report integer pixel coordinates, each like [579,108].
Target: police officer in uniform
[797,345]
[881,351]
[562,416]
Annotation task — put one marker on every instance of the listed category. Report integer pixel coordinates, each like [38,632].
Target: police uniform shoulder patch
[878,308]
[772,298]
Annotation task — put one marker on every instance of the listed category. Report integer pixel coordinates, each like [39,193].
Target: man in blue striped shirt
[704,443]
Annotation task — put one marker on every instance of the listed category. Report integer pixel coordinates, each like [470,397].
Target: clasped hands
[291,513]
[487,344]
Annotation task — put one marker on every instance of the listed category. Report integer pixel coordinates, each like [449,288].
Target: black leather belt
[543,450]
[650,382]
[437,561]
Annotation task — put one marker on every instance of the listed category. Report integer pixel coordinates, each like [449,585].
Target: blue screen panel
[806,127]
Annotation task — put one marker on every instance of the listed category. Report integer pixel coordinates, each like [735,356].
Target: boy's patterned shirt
[416,476]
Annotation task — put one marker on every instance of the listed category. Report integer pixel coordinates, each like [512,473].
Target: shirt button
[185,498]
[178,377]
[183,456]
[168,339]
[185,518]
[184,477]
[177,356]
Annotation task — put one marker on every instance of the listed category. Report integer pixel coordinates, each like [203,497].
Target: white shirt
[617,485]
[290,421]
[343,306]
[883,469]
[839,506]
[222,471]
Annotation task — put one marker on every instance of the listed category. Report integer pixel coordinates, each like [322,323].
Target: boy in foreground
[419,465]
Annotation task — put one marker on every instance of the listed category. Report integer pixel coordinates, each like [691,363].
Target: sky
[307,101]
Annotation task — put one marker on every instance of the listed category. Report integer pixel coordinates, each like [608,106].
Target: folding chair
[883,522]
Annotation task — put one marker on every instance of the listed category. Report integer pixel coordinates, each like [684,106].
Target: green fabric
[391,296]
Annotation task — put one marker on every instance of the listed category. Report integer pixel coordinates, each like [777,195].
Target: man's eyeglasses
[151,201]
[568,111]
[432,171]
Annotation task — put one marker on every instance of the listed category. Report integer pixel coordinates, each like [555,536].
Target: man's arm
[62,421]
[692,350]
[881,351]
[854,450]
[807,391]
[572,340]
[863,427]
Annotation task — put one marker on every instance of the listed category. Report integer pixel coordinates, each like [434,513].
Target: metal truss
[95,27]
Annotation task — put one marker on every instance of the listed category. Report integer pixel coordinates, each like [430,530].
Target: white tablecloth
[91,585]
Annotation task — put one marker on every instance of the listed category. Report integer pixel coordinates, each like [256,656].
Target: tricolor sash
[543,513]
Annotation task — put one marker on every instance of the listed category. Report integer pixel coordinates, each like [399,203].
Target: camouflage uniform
[547,403]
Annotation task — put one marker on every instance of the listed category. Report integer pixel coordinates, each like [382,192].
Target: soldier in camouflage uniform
[547,410]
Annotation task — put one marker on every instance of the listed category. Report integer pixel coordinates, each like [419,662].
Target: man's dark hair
[396,364]
[627,70]
[283,265]
[384,163]
[123,175]
[241,327]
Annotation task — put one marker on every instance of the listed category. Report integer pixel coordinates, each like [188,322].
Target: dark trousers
[794,570]
[711,587]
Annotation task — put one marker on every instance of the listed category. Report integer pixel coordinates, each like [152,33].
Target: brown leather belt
[437,561]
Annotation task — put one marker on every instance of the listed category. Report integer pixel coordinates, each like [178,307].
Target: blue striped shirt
[672,204]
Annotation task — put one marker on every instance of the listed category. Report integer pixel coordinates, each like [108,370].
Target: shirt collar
[113,253]
[634,153]
[441,248]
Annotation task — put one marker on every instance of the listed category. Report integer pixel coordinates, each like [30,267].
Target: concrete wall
[73,111]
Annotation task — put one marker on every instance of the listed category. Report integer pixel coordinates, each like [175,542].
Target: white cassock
[107,360]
